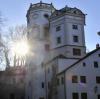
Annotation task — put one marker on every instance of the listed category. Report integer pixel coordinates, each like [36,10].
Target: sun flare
[20,48]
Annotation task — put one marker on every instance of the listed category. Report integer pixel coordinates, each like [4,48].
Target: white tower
[38,34]
[67,33]
[38,20]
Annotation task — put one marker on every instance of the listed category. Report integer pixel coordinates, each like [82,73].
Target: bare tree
[3,50]
[14,34]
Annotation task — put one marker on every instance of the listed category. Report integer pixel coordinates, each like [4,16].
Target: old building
[12,83]
[81,80]
[57,43]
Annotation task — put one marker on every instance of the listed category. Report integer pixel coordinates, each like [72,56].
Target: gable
[90,57]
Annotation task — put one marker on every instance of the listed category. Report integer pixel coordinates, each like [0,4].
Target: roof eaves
[79,60]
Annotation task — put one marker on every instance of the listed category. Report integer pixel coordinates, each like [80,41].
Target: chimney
[97,46]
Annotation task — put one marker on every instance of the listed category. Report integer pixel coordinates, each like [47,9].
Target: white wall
[89,71]
[36,74]
[60,88]
[65,63]
[66,33]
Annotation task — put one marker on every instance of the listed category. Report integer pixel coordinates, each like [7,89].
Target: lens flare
[20,48]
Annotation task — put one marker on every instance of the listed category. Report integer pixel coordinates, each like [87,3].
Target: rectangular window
[58,40]
[75,95]
[74,79]
[46,31]
[41,98]
[62,80]
[58,28]
[99,55]
[47,47]
[98,79]
[83,79]
[83,95]
[76,52]
[84,64]
[75,27]
[95,64]
[48,85]
[58,82]
[98,96]
[48,70]
[42,84]
[75,38]
[12,96]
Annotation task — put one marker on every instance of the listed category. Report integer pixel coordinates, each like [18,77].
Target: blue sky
[15,13]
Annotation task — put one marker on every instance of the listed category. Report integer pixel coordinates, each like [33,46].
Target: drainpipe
[65,85]
[45,81]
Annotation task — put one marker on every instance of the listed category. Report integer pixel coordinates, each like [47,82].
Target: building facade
[82,79]
[12,83]
[38,26]
[57,42]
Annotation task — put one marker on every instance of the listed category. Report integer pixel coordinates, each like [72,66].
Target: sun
[20,48]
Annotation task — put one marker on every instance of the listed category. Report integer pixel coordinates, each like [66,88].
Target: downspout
[45,82]
[65,85]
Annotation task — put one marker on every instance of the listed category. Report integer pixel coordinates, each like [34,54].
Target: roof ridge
[87,55]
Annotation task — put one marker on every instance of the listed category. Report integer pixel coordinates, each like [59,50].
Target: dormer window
[74,12]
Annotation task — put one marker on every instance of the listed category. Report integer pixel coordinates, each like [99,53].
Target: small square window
[98,79]
[99,55]
[75,38]
[58,40]
[76,52]
[83,79]
[75,27]
[74,79]
[75,95]
[83,95]
[95,64]
[58,28]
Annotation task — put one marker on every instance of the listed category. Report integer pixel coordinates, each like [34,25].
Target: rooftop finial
[40,1]
[97,45]
[30,4]
[66,6]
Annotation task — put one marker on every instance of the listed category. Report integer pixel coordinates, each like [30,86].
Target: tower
[38,35]
[38,20]
[63,31]
[67,32]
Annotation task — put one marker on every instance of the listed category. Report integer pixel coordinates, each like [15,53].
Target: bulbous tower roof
[40,5]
